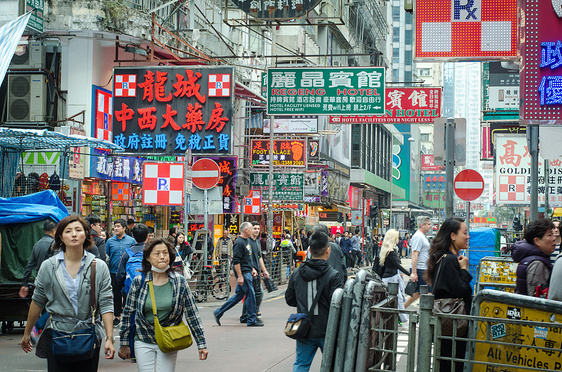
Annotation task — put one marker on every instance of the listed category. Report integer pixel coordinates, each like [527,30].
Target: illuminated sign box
[328,90]
[166,110]
[286,153]
[403,105]
[456,30]
[541,79]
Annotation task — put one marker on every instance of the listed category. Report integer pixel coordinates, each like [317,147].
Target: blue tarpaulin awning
[32,207]
[30,139]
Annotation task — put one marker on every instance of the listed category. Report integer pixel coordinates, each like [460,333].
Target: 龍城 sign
[326,91]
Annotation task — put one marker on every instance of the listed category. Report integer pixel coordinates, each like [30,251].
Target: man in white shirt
[420,255]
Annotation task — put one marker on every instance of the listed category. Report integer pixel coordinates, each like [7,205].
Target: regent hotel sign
[321,91]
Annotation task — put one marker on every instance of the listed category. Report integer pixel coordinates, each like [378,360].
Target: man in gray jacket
[41,251]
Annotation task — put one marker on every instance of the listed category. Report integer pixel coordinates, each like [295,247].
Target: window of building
[395,74]
[408,36]
[396,34]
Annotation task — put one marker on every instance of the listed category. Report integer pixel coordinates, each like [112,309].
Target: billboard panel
[403,105]
[513,173]
[457,30]
[541,72]
[328,90]
[165,110]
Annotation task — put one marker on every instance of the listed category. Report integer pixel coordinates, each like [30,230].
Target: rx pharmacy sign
[322,91]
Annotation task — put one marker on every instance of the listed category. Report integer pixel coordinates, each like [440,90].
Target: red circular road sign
[205,174]
[469,185]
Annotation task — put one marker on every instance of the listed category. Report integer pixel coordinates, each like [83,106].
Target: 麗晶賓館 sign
[326,91]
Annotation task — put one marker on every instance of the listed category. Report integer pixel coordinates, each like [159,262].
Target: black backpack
[32,183]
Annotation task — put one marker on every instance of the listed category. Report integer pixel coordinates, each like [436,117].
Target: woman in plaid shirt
[173,298]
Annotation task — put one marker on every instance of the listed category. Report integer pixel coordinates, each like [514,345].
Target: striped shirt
[554,254]
[182,300]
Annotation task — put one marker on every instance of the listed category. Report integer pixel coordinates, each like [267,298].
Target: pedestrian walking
[391,262]
[314,278]
[259,266]
[245,273]
[420,255]
[115,247]
[336,259]
[447,271]
[533,255]
[62,288]
[173,301]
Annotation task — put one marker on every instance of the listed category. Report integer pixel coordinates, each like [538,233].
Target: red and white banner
[403,105]
[252,203]
[162,184]
[103,111]
[428,165]
[513,173]
[475,29]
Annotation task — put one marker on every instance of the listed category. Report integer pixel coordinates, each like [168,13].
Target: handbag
[411,288]
[71,347]
[269,284]
[450,306]
[171,338]
[298,324]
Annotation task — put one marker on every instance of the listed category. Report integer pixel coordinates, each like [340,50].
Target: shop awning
[10,35]
[32,139]
[243,92]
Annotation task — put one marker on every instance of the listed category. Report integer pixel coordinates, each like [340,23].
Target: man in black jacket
[245,274]
[95,230]
[313,275]
[41,251]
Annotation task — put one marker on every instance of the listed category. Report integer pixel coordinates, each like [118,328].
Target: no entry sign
[469,185]
[206,174]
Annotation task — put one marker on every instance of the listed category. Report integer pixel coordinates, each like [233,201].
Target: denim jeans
[247,289]
[259,297]
[306,349]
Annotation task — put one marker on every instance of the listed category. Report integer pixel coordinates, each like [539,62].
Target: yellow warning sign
[522,341]
[493,271]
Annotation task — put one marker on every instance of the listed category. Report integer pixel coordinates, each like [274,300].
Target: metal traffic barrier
[332,330]
[349,323]
[354,319]
[497,272]
[344,325]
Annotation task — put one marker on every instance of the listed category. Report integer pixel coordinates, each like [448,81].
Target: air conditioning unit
[32,58]
[27,97]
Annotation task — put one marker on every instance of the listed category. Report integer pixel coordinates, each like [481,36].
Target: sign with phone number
[286,153]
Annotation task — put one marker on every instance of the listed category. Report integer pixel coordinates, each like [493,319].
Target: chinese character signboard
[292,124]
[513,168]
[76,161]
[434,190]
[503,86]
[428,165]
[116,168]
[285,186]
[168,109]
[286,153]
[228,174]
[271,9]
[36,20]
[103,113]
[474,29]
[490,130]
[541,52]
[403,105]
[321,91]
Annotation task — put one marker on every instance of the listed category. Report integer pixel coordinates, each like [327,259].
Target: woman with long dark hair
[62,288]
[447,272]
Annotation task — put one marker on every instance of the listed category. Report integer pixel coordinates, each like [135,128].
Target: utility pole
[533,141]
[449,166]
[270,178]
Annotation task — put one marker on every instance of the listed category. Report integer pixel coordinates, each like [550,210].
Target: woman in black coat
[447,271]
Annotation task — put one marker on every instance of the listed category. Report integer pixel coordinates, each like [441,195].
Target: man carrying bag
[314,276]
